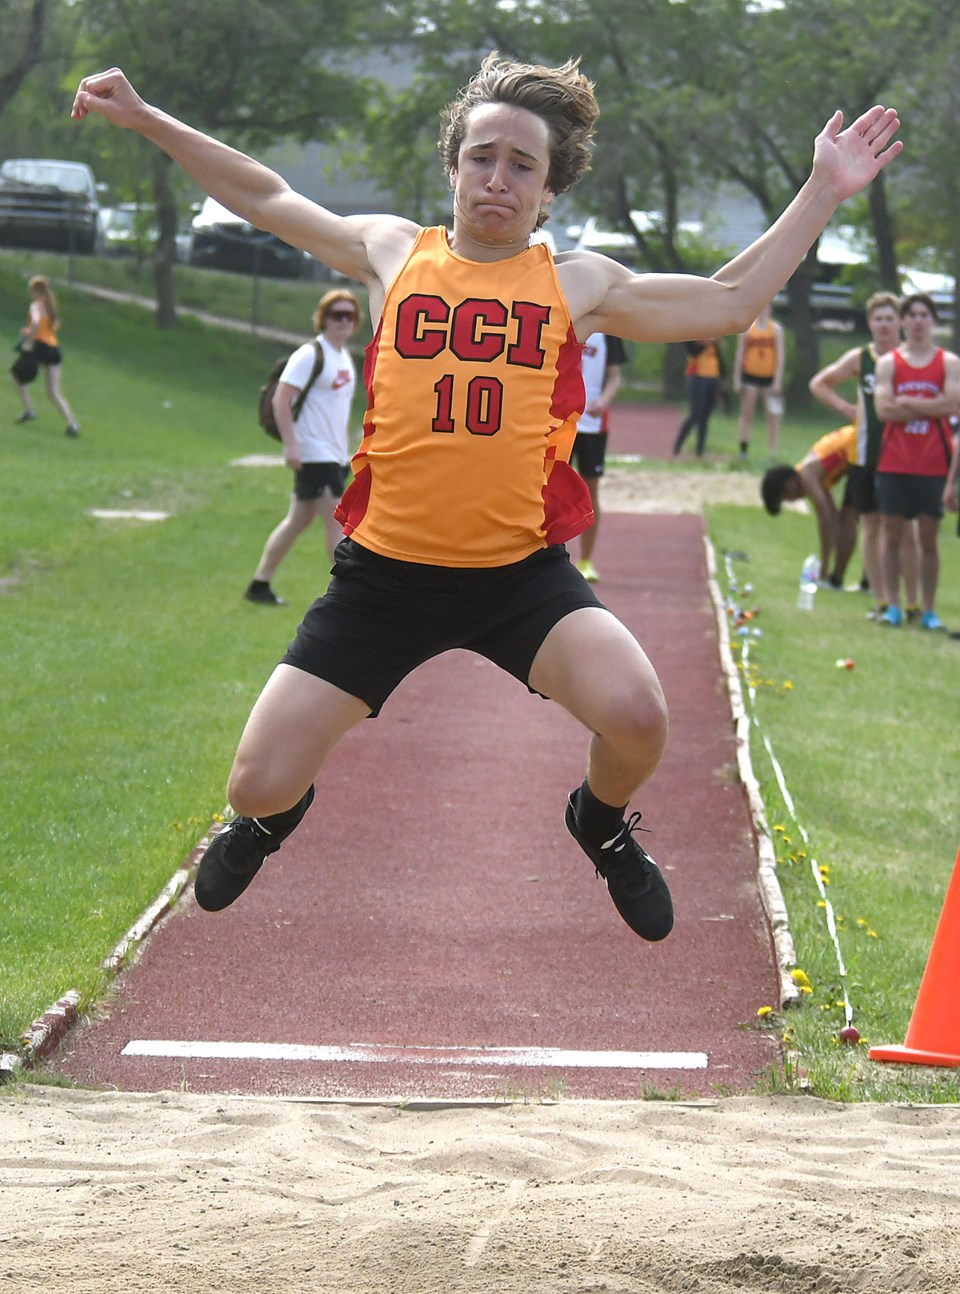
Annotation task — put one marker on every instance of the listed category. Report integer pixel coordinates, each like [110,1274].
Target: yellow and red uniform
[473,394]
[837,452]
[706,362]
[759,358]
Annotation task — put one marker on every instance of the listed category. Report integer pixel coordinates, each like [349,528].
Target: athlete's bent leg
[295,723]
[596,670]
[592,665]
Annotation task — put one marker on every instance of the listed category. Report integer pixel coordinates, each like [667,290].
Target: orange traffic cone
[933,1037]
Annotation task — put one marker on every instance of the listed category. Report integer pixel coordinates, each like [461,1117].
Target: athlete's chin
[496,225]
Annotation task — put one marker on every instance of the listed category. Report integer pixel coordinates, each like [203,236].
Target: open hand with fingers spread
[849,159]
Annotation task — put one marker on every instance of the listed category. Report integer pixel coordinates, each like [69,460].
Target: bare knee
[256,790]
[638,723]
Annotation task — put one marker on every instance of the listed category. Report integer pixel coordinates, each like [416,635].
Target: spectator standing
[917,393]
[703,376]
[759,363]
[859,365]
[601,366]
[315,437]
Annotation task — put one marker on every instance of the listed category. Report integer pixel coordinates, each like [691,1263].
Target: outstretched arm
[240,183]
[672,307]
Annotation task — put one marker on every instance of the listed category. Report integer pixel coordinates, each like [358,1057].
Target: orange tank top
[760,351]
[473,394]
[45,330]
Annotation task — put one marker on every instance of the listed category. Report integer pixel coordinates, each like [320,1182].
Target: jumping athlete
[463,494]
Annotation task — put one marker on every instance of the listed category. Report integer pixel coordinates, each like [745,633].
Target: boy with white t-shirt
[315,440]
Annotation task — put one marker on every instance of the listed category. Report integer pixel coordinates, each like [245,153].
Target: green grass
[869,756]
[130,662]
[129,658]
[285,304]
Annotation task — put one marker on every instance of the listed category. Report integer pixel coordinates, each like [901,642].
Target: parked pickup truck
[48,203]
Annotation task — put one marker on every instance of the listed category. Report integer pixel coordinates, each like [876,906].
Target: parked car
[220,240]
[48,203]
[129,229]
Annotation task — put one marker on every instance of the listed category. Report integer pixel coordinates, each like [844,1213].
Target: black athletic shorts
[49,355]
[901,494]
[751,379]
[589,452]
[380,618]
[861,490]
[311,479]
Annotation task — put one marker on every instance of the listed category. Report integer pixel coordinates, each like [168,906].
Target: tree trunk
[806,342]
[883,235]
[30,55]
[165,255]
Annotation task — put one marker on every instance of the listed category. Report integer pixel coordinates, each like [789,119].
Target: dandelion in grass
[801,980]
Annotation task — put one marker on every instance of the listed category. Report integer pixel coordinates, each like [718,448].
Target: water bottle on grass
[809,576]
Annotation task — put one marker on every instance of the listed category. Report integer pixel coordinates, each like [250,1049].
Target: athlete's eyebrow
[520,152]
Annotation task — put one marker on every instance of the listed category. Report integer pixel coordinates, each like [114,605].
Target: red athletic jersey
[922,446]
[473,391]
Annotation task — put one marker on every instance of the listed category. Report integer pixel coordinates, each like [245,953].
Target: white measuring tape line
[791,809]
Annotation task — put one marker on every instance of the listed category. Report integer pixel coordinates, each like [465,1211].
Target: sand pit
[104,1193]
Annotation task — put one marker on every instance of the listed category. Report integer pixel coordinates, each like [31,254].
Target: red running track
[433,908]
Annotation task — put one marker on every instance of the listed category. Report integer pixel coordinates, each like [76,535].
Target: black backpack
[265,406]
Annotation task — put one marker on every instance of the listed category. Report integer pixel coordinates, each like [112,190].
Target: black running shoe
[260,591]
[634,881]
[235,855]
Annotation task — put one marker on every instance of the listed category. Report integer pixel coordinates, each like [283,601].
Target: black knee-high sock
[598,822]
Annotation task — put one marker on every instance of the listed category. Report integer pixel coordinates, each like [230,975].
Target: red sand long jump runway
[431,931]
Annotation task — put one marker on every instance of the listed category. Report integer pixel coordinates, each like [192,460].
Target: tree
[928,199]
[25,24]
[695,92]
[248,72]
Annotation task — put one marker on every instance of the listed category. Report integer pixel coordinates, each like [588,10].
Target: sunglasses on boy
[342,316]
